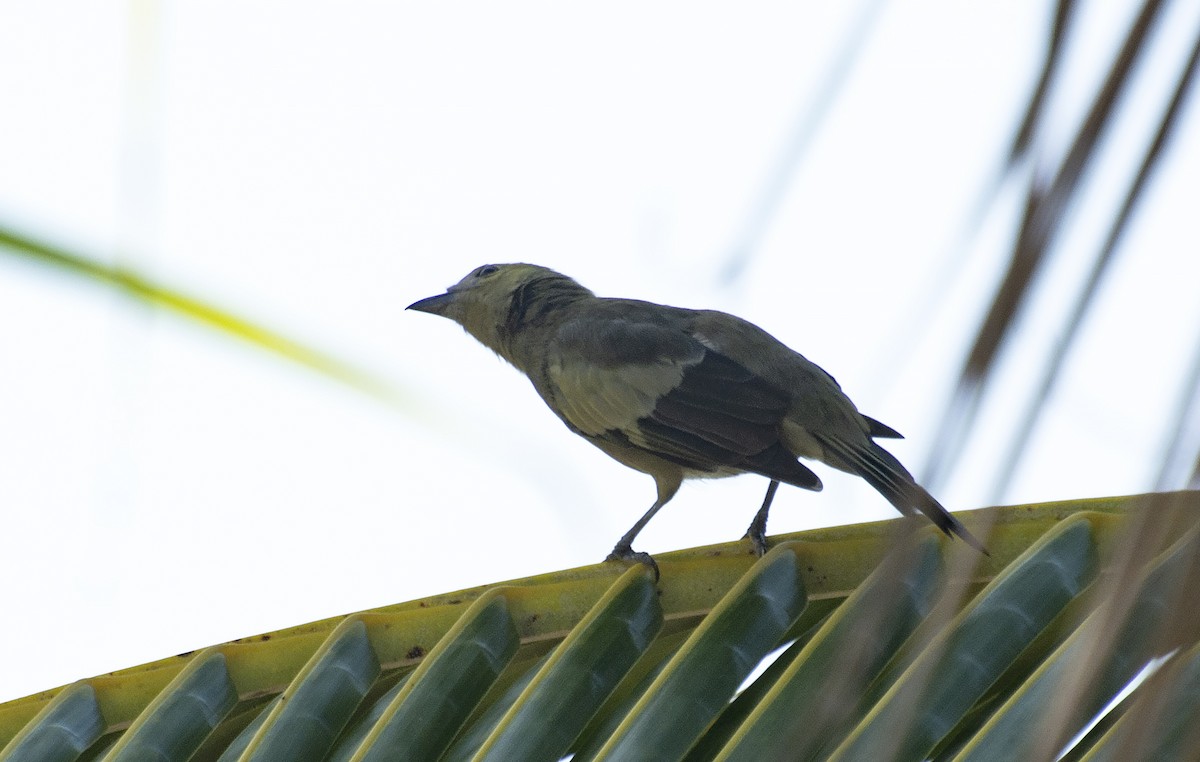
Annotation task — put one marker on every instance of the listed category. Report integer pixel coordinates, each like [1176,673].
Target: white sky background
[317,168]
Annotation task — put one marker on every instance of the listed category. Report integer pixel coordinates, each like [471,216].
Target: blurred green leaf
[147,291]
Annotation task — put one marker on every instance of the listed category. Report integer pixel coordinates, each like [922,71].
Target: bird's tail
[890,478]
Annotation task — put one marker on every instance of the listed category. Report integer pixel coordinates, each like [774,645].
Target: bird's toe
[626,553]
[758,543]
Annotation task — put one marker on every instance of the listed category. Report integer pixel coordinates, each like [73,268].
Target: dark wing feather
[722,414]
[777,463]
[633,374]
[722,402]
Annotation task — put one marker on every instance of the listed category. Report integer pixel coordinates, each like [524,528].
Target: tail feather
[890,478]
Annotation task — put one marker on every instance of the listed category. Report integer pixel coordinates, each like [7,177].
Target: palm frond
[894,643]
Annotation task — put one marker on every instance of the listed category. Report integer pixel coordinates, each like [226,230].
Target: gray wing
[649,383]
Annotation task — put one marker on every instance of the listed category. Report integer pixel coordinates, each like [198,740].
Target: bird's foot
[756,533]
[623,552]
[757,536]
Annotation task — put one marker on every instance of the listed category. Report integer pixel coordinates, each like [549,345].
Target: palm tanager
[678,393]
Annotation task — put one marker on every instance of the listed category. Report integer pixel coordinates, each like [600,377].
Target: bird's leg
[758,527]
[623,550]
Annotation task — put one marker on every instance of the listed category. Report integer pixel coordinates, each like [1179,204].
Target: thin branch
[1044,214]
[1086,297]
[1063,17]
[1181,456]
[786,167]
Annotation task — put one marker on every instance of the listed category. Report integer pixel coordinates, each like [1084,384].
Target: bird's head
[494,302]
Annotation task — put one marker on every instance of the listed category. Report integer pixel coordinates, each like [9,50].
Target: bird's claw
[758,543]
[626,553]
[756,533]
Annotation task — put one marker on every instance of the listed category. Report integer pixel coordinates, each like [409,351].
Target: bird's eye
[486,270]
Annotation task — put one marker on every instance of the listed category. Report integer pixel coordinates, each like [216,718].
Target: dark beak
[434,305]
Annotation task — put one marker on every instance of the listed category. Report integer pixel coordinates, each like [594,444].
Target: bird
[679,393]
